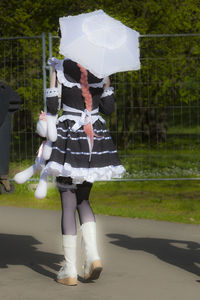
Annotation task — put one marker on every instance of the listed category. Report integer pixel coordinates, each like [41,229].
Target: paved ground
[142,259]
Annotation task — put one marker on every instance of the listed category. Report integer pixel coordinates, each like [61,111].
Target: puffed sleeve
[52,100]
[107,102]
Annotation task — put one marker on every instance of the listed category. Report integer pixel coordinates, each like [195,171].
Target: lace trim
[107,92]
[79,175]
[83,153]
[62,79]
[81,130]
[51,92]
[83,138]
[99,84]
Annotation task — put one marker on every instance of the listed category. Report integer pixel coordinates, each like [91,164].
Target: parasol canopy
[99,43]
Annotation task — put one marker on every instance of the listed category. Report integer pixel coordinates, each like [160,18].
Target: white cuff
[107,92]
[52,92]
[53,61]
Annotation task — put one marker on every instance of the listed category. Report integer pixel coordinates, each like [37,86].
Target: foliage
[170,201]
[163,94]
[18,17]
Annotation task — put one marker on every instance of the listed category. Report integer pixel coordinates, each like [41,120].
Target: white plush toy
[44,154]
[46,127]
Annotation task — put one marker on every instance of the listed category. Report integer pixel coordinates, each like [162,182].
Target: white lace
[52,92]
[83,138]
[107,92]
[79,175]
[84,153]
[62,79]
[81,130]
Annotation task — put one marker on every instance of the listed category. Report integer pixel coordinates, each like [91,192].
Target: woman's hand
[107,83]
[53,78]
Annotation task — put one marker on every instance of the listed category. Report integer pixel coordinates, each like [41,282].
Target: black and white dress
[71,153]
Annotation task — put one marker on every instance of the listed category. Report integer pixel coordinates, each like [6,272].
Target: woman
[83,152]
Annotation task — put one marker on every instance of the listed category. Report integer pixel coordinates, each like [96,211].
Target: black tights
[73,199]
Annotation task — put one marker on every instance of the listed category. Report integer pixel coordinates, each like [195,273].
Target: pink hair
[88,101]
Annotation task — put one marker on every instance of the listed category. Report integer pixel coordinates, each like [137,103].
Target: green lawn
[175,201]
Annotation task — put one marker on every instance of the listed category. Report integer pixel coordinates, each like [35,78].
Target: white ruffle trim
[79,175]
[99,84]
[52,92]
[107,92]
[58,64]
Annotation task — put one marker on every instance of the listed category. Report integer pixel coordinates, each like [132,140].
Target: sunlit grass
[177,201]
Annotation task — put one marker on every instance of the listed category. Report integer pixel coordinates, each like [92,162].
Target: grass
[143,163]
[170,201]
[174,201]
[183,130]
[177,157]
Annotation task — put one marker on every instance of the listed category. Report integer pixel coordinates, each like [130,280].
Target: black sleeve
[52,105]
[107,105]
[52,100]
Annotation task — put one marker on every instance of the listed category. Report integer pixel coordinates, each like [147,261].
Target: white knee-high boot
[93,266]
[68,273]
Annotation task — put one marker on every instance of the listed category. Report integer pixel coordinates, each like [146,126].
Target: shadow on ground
[22,250]
[183,254]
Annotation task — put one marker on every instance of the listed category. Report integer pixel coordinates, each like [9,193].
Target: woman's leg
[68,219]
[93,266]
[68,273]
[83,206]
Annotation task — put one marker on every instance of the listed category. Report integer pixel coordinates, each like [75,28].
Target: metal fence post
[163,93]
[44,68]
[50,54]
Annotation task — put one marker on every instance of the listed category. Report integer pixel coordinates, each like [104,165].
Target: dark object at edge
[9,103]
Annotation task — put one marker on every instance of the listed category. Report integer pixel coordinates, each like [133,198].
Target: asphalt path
[142,259]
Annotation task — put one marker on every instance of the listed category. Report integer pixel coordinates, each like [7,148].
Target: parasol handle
[53,79]
[107,83]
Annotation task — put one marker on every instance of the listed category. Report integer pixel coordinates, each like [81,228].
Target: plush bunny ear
[51,127]
[41,190]
[25,175]
[47,150]
[42,128]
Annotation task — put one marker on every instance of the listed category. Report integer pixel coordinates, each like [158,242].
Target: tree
[142,95]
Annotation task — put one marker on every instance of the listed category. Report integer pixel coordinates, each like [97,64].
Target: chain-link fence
[156,124]
[21,60]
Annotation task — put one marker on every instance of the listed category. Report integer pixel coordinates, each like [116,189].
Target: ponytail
[88,101]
